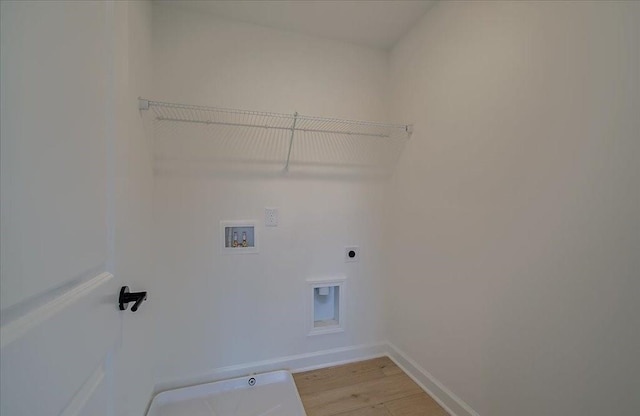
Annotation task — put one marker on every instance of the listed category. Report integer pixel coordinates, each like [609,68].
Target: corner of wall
[453,404]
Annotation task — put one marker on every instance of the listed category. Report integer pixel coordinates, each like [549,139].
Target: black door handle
[126,297]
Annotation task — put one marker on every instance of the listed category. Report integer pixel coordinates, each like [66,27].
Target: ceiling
[378,24]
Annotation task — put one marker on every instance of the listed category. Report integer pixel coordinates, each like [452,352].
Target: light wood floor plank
[375,387]
[331,402]
[377,410]
[341,376]
[417,405]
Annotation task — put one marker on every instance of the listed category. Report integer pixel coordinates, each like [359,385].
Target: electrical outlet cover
[271,217]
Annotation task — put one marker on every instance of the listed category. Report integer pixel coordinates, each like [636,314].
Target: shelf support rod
[293,131]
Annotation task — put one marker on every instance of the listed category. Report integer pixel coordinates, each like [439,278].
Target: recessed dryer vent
[327,298]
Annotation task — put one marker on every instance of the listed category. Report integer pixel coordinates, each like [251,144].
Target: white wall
[520,192]
[217,310]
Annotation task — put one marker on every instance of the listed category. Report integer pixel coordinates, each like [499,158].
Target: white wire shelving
[290,139]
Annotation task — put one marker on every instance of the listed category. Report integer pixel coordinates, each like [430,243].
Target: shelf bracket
[293,131]
[143,104]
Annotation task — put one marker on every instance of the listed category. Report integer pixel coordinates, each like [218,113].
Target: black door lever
[126,297]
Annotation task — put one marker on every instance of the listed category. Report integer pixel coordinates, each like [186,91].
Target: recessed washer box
[239,237]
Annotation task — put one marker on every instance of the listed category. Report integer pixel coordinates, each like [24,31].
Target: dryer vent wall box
[326,306]
[239,237]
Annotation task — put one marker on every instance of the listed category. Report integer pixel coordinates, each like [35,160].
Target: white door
[60,325]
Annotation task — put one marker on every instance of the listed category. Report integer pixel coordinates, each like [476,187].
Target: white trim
[453,404]
[13,330]
[293,363]
[367,352]
[86,392]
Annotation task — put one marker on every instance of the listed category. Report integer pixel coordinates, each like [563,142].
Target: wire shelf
[241,136]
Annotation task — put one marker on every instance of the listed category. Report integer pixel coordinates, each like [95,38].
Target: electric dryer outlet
[352,254]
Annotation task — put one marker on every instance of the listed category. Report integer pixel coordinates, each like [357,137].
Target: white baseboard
[453,404]
[293,363]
